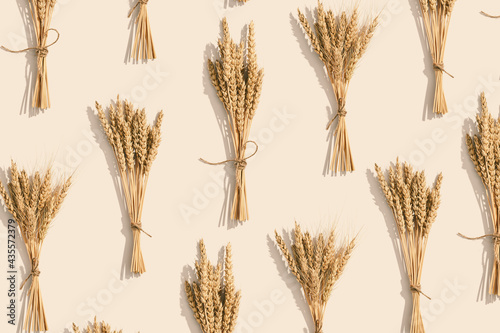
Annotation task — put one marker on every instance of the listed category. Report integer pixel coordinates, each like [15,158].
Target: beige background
[88,249]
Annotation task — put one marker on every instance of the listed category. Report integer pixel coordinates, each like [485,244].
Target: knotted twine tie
[34,271]
[240,164]
[496,240]
[138,226]
[139,2]
[341,112]
[440,67]
[417,289]
[41,51]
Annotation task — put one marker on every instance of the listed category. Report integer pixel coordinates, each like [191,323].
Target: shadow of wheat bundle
[414,206]
[238,82]
[317,264]
[340,41]
[143,47]
[436,16]
[34,201]
[135,144]
[213,297]
[484,151]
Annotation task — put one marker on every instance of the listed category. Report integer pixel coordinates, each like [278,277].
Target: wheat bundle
[143,47]
[213,298]
[484,151]
[317,264]
[34,202]
[41,13]
[414,206]
[340,41]
[436,16]
[135,144]
[238,82]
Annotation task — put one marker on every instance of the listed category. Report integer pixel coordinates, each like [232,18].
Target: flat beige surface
[88,248]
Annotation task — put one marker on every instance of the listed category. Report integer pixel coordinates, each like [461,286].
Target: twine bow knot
[239,163]
[416,288]
[440,67]
[34,271]
[138,226]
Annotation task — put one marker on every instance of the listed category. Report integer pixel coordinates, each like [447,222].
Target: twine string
[440,67]
[416,288]
[34,271]
[239,163]
[139,2]
[42,51]
[496,240]
[341,112]
[138,226]
[490,16]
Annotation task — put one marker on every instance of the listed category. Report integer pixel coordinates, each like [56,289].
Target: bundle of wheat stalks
[317,264]
[213,298]
[484,151]
[34,201]
[238,82]
[101,327]
[436,16]
[143,48]
[135,144]
[41,13]
[340,42]
[414,206]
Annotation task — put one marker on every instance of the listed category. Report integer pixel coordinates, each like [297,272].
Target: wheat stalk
[340,41]
[213,298]
[96,327]
[484,151]
[436,16]
[135,145]
[414,206]
[238,83]
[317,264]
[143,47]
[34,201]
